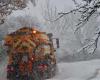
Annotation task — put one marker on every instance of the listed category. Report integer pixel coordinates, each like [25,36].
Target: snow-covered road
[84,70]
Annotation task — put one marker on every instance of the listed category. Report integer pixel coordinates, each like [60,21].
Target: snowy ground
[84,70]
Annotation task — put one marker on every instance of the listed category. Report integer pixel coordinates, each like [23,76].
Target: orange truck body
[31,41]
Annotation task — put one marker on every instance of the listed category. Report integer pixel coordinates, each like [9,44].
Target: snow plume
[22,21]
[14,23]
[30,16]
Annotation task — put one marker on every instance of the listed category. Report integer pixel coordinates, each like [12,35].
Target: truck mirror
[56,42]
[50,35]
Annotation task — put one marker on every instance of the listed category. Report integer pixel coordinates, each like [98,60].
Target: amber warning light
[34,32]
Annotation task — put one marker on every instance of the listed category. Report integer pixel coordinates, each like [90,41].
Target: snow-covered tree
[88,9]
[7,6]
[64,29]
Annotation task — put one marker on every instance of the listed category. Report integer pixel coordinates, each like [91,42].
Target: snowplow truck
[31,55]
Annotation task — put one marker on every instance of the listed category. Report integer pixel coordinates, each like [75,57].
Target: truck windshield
[42,49]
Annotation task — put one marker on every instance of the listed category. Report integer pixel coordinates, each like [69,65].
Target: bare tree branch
[63,14]
[86,12]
